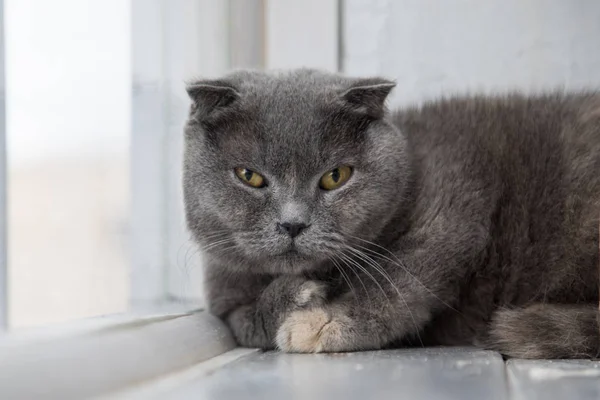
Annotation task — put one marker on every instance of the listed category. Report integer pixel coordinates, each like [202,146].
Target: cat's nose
[291,228]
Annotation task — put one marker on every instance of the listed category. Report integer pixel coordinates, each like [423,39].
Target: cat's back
[552,139]
[536,161]
[506,123]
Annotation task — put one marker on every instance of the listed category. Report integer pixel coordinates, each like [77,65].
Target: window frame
[4,290]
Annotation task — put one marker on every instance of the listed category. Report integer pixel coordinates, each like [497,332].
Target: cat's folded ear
[209,97]
[367,96]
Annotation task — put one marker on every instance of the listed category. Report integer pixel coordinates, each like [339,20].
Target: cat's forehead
[299,80]
[290,118]
[290,137]
[292,94]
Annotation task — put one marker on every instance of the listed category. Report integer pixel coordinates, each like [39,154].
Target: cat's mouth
[291,252]
[292,261]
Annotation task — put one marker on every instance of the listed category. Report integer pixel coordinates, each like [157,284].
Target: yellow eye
[335,178]
[250,177]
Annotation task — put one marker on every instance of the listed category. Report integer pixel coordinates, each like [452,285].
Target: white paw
[309,331]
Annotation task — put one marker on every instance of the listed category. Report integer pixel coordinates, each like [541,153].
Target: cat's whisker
[228,248]
[179,250]
[183,268]
[372,263]
[187,253]
[217,243]
[399,263]
[359,280]
[363,269]
[215,235]
[381,256]
[195,249]
[188,257]
[384,273]
[351,264]
[217,238]
[343,274]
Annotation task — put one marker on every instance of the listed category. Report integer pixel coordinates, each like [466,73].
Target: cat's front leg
[349,325]
[394,304]
[319,329]
[255,324]
[403,293]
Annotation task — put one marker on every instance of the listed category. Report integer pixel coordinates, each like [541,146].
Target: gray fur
[470,220]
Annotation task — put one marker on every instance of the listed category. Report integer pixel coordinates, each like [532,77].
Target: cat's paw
[255,325]
[310,293]
[312,331]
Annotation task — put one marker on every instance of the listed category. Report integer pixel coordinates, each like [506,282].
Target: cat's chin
[290,262]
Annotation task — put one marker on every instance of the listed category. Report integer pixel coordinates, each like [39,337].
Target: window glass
[68,107]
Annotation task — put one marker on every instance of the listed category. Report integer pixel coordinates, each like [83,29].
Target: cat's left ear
[367,96]
[209,97]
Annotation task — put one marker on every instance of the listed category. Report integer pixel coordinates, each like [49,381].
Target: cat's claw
[310,331]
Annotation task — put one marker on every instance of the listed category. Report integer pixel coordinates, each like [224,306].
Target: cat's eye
[250,177]
[335,178]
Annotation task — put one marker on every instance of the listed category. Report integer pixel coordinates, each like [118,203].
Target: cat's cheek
[313,331]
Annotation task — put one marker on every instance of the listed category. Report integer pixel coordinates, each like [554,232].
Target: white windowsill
[97,357]
[191,355]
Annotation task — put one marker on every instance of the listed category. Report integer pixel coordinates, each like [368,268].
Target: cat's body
[532,167]
[470,220]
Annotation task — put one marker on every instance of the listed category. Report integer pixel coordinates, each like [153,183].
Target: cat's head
[284,171]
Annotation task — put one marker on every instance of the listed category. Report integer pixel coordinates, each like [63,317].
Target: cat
[330,223]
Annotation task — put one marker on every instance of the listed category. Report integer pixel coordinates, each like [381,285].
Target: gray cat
[331,224]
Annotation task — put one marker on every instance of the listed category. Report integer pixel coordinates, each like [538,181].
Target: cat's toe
[309,331]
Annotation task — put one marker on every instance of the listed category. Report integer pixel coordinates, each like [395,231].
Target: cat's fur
[469,220]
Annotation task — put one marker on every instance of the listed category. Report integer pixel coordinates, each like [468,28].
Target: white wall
[302,33]
[434,47]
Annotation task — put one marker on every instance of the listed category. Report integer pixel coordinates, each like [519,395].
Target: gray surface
[110,358]
[448,373]
[577,379]
[429,374]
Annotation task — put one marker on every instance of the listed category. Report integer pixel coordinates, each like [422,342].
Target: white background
[433,47]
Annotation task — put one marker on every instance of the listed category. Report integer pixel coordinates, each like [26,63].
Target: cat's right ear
[368,96]
[210,97]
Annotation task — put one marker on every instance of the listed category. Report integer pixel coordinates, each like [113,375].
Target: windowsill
[102,355]
[429,373]
[138,312]
[175,354]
